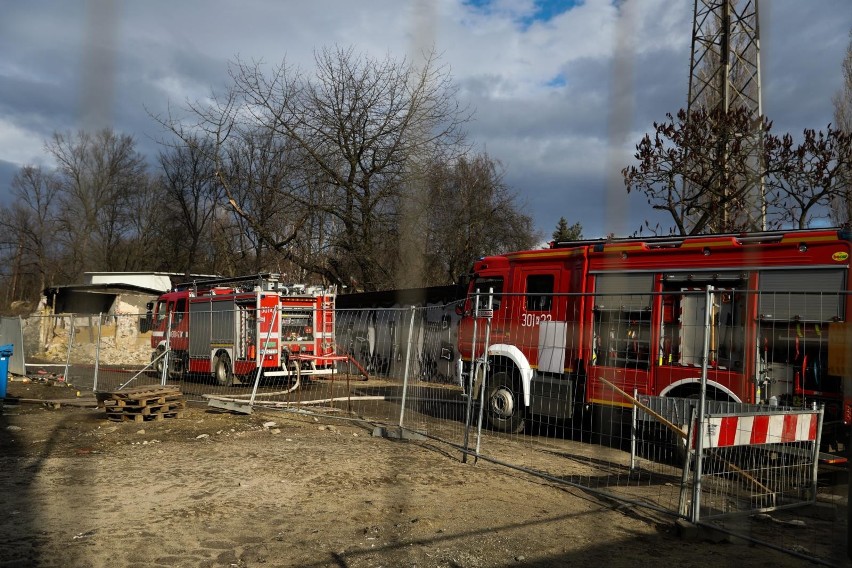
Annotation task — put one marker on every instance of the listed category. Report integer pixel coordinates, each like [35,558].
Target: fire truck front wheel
[222,370]
[156,368]
[505,405]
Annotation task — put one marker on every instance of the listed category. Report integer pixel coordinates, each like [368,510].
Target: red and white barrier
[726,431]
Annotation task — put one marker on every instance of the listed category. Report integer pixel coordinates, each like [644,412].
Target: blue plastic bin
[6,352]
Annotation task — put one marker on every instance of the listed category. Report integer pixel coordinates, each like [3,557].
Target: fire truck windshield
[484,286]
[160,313]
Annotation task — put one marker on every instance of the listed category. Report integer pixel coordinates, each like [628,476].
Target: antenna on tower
[724,75]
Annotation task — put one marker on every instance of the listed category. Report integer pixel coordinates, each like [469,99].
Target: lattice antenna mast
[725,63]
[724,74]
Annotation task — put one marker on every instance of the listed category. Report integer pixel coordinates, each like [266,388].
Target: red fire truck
[567,320]
[228,328]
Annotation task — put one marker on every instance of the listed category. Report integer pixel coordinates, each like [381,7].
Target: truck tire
[505,405]
[222,370]
[178,366]
[156,370]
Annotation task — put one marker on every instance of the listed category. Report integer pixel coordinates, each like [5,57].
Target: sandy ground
[221,489]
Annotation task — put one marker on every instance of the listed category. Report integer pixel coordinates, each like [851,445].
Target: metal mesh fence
[90,352]
[755,461]
[591,390]
[410,357]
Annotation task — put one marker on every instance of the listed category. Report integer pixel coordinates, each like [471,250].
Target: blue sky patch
[558,81]
[547,9]
[544,9]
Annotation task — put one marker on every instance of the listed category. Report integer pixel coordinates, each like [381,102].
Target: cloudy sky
[562,90]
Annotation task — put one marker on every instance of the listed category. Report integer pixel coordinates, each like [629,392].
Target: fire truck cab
[564,322]
[229,328]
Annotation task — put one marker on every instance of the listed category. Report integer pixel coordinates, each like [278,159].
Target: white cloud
[21,146]
[544,92]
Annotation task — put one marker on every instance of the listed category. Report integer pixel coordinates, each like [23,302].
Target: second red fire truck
[229,328]
[569,321]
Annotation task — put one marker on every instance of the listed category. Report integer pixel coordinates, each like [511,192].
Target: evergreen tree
[565,233]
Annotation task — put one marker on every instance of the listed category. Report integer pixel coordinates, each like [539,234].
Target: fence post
[23,345]
[97,353]
[815,472]
[261,352]
[470,378]
[684,477]
[70,344]
[634,431]
[165,374]
[407,362]
[484,366]
[702,401]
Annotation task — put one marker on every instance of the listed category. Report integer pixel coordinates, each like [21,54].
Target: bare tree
[191,193]
[265,179]
[98,173]
[705,185]
[700,168]
[152,233]
[361,129]
[27,230]
[810,177]
[841,210]
[472,213]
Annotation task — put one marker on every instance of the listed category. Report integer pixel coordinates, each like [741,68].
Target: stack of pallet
[138,404]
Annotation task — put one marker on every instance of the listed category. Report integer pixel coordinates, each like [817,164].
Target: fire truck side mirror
[459,310]
[145,323]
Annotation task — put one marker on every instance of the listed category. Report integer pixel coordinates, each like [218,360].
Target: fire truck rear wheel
[222,371]
[505,406]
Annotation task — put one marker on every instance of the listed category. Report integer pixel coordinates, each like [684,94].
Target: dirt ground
[275,489]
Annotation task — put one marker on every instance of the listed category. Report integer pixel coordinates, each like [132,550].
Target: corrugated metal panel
[224,326]
[12,331]
[199,339]
[212,323]
[807,295]
[624,291]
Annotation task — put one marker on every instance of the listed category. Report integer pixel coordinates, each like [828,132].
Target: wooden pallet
[127,415]
[138,404]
